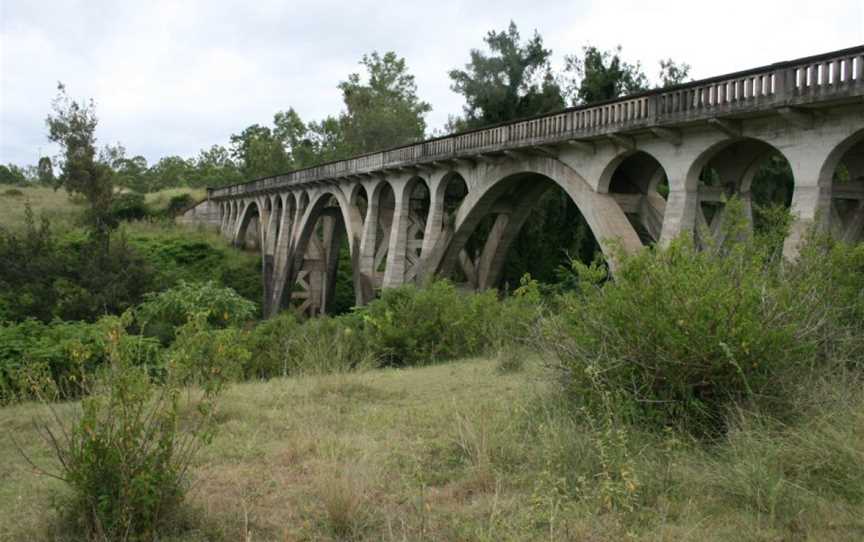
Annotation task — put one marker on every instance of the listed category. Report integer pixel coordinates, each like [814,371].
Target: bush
[179,255]
[179,204]
[283,346]
[126,455]
[45,276]
[161,313]
[416,326]
[129,206]
[681,334]
[57,357]
[13,193]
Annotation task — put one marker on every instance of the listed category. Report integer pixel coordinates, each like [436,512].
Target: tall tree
[383,110]
[512,80]
[673,73]
[602,75]
[73,126]
[259,152]
[45,171]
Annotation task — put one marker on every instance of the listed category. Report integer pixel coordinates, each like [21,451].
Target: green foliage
[385,111]
[682,334]
[13,193]
[12,174]
[417,326]
[177,256]
[514,81]
[207,357]
[128,206]
[283,346]
[602,75]
[55,358]
[73,127]
[44,276]
[126,455]
[179,203]
[161,313]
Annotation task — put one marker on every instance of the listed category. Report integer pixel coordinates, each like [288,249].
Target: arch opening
[845,168]
[324,281]
[640,187]
[750,170]
[248,235]
[525,224]
[419,202]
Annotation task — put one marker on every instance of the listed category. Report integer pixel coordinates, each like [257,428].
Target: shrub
[57,356]
[416,326]
[178,204]
[128,206]
[13,193]
[180,255]
[126,454]
[73,277]
[161,313]
[283,346]
[682,334]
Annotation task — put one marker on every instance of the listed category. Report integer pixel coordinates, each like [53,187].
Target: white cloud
[172,77]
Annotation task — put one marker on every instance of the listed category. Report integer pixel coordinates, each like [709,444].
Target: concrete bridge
[631,165]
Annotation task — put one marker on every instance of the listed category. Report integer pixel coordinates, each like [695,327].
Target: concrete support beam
[623,141]
[797,116]
[584,146]
[670,135]
[729,127]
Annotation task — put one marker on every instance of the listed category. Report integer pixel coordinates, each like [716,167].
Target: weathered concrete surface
[407,213]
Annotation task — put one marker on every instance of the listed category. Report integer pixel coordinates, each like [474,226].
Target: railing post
[654,112]
[782,82]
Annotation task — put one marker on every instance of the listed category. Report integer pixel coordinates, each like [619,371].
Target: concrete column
[394,274]
[282,257]
[368,240]
[680,213]
[811,199]
[334,233]
[435,219]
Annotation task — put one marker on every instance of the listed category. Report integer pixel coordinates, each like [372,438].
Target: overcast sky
[173,77]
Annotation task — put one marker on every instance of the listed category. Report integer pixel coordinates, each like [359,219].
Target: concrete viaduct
[631,165]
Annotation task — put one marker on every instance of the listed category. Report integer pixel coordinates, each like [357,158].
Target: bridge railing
[824,77]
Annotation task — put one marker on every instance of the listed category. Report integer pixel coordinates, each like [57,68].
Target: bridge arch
[327,221]
[250,215]
[843,174]
[638,181]
[529,179]
[752,169]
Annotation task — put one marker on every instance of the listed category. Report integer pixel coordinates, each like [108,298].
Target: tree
[214,167]
[384,111]
[602,75]
[168,172]
[73,127]
[12,174]
[259,152]
[514,81]
[673,73]
[45,171]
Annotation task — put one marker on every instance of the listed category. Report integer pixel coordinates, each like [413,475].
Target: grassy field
[53,204]
[459,451]
[62,210]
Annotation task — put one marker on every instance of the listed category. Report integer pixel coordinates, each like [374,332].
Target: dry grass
[459,451]
[56,205]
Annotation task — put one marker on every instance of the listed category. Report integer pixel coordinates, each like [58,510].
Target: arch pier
[641,169]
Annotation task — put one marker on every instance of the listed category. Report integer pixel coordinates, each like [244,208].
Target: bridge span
[631,165]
